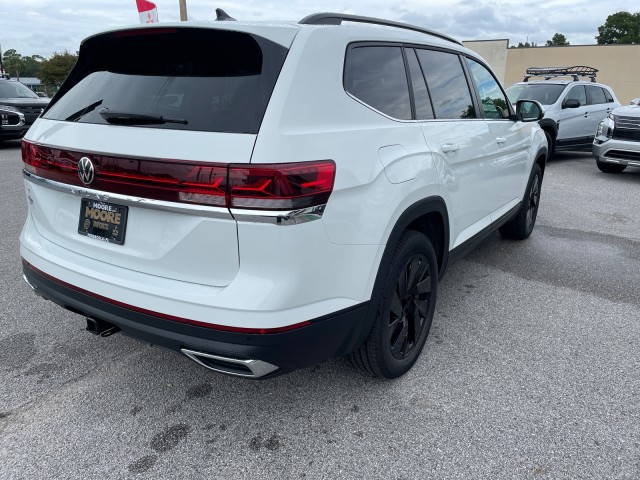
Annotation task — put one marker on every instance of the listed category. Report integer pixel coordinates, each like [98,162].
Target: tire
[550,146]
[404,310]
[521,226]
[607,167]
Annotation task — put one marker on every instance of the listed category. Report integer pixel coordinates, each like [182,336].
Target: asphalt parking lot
[532,370]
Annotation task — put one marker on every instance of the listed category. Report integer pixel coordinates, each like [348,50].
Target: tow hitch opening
[100,327]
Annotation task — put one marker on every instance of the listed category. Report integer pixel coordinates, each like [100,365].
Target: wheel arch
[551,127]
[428,216]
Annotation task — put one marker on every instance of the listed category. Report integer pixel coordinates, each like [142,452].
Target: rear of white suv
[227,191]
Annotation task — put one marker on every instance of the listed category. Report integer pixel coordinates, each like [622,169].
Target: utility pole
[183,10]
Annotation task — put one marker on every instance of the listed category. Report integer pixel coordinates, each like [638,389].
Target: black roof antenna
[222,16]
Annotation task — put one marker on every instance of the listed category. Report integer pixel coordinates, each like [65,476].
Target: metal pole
[1,66]
[183,10]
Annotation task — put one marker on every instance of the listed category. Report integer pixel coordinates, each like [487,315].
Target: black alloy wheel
[521,226]
[402,308]
[534,200]
[409,306]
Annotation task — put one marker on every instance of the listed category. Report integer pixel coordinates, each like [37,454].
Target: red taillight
[282,186]
[168,180]
[286,186]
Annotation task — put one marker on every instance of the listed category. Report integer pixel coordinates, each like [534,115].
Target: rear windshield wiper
[74,117]
[128,118]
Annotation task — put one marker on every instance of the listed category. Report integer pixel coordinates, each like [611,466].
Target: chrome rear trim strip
[283,218]
[184,208]
[292,217]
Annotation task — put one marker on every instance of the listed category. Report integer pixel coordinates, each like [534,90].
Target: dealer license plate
[103,221]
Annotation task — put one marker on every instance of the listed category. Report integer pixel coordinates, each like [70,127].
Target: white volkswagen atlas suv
[264,196]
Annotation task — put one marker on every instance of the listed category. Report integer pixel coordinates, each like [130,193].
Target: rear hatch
[126,164]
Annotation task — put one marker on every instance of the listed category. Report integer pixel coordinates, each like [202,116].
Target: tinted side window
[447,84]
[577,93]
[494,102]
[420,93]
[376,76]
[608,95]
[596,95]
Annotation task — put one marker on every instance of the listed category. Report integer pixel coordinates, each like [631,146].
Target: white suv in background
[572,108]
[264,196]
[617,142]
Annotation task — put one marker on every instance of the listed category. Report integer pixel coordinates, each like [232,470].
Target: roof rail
[338,18]
[552,72]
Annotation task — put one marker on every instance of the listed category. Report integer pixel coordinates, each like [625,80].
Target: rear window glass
[187,79]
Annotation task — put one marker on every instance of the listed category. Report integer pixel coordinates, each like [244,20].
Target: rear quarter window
[209,80]
[376,76]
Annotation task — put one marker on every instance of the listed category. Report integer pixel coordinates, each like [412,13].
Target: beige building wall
[494,52]
[618,65]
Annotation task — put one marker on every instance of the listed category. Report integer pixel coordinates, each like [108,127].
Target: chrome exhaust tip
[231,366]
[33,287]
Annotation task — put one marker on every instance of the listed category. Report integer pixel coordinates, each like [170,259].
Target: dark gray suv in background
[19,108]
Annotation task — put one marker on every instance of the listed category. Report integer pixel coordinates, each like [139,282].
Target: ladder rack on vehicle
[552,72]
[338,18]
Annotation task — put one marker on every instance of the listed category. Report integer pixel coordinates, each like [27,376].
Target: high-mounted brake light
[144,31]
[284,186]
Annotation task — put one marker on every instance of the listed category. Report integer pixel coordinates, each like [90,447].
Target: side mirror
[529,111]
[571,103]
[635,101]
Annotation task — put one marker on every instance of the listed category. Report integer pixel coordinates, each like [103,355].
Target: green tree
[31,66]
[54,70]
[558,40]
[621,27]
[13,63]
[525,45]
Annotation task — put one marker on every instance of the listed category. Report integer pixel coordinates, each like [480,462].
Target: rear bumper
[317,340]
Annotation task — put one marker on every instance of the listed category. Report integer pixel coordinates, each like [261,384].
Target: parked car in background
[293,197]
[572,108]
[617,142]
[19,108]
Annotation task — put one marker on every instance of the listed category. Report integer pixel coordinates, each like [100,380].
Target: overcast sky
[42,27]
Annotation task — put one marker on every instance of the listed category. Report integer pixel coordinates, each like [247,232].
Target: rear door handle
[501,140]
[586,114]
[449,148]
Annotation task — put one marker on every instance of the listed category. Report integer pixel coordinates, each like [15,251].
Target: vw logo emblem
[85,170]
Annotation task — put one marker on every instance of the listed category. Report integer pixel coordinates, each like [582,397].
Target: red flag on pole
[147,11]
